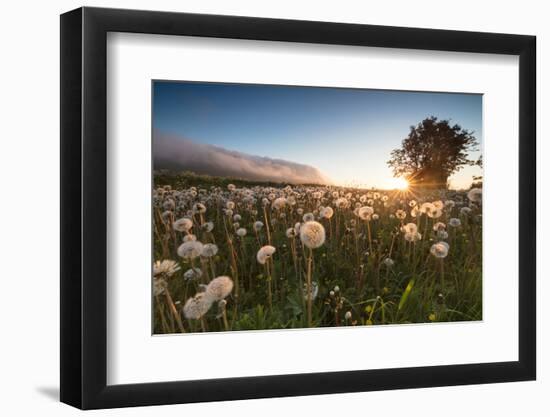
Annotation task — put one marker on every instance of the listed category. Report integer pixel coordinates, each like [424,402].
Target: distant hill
[180,154]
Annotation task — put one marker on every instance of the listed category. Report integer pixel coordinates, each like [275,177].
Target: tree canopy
[433,150]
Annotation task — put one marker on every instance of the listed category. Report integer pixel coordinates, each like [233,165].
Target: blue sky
[346,133]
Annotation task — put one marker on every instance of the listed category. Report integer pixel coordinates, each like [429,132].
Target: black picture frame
[84,207]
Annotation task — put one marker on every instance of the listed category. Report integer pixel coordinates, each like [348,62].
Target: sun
[399,183]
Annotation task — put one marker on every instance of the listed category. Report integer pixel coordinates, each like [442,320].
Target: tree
[431,152]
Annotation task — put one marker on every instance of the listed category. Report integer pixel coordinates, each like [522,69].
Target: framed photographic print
[259,208]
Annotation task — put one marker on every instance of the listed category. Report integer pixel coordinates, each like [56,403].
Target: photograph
[280,207]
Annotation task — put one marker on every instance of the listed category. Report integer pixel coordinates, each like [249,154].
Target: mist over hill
[177,153]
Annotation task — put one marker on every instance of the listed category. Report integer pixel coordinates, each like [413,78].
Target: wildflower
[159,286]
[327,212]
[190,237]
[199,208]
[197,306]
[412,203]
[401,214]
[209,250]
[241,232]
[454,222]
[166,267]
[465,211]
[183,225]
[449,204]
[409,228]
[208,227]
[308,217]
[190,249]
[475,195]
[265,253]
[290,232]
[375,216]
[388,262]
[312,234]
[258,226]
[347,316]
[279,203]
[231,187]
[237,218]
[439,226]
[192,274]
[440,249]
[365,213]
[219,288]
[442,234]
[413,237]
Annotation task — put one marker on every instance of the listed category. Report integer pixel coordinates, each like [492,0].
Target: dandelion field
[236,255]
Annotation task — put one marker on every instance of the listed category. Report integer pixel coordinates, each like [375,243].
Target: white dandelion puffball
[279,203]
[237,218]
[219,288]
[347,316]
[199,208]
[413,237]
[241,232]
[327,212]
[439,226]
[375,216]
[440,249]
[314,290]
[231,187]
[412,203]
[208,227]
[465,211]
[300,211]
[454,222]
[183,225]
[414,211]
[290,232]
[401,214]
[166,267]
[190,237]
[308,217]
[229,213]
[442,234]
[258,226]
[192,274]
[388,262]
[435,214]
[230,205]
[475,195]
[197,306]
[438,204]
[449,204]
[190,250]
[209,250]
[409,228]
[365,212]
[312,234]
[159,286]
[265,253]
[426,208]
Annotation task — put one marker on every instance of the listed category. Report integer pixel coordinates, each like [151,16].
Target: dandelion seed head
[190,249]
[166,267]
[219,288]
[197,306]
[312,234]
[440,249]
[209,250]
[265,253]
[241,232]
[183,225]
[475,195]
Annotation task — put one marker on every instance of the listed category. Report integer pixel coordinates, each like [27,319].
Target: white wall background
[29,220]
